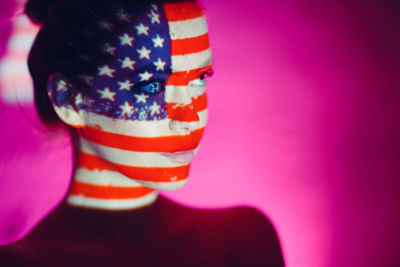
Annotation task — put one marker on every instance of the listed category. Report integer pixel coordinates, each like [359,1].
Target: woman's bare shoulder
[247,233]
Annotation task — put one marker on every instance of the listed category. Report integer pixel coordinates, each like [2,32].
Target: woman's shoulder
[238,236]
[246,232]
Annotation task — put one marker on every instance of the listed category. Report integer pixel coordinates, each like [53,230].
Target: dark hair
[68,42]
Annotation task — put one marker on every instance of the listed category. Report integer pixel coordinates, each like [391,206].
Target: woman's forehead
[157,42]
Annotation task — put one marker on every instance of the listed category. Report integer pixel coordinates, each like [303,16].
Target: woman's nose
[183,117]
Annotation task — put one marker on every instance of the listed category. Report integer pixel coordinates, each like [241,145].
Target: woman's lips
[184,157]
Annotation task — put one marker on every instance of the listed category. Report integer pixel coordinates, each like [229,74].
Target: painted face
[146,112]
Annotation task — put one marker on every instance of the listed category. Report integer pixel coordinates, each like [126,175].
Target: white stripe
[24,21]
[196,90]
[9,66]
[191,61]
[183,94]
[136,128]
[21,42]
[128,158]
[112,204]
[188,28]
[104,177]
[165,186]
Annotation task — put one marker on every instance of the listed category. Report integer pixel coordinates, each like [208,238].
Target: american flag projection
[145,116]
[15,81]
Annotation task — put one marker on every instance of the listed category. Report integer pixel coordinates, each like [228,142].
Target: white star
[128,63]
[142,98]
[105,25]
[155,108]
[107,48]
[142,29]
[154,6]
[142,115]
[126,109]
[125,85]
[105,70]
[87,79]
[144,52]
[145,76]
[62,86]
[155,18]
[123,16]
[106,94]
[78,99]
[126,39]
[158,41]
[160,64]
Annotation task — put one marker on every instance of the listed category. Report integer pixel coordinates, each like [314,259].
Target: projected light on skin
[142,120]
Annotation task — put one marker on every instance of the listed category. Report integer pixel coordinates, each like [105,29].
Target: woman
[128,80]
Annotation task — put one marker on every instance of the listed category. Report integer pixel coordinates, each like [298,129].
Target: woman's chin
[165,186]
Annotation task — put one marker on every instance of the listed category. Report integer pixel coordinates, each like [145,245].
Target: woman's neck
[95,185]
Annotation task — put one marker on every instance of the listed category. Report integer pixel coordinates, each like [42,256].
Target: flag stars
[142,98]
[78,99]
[128,63]
[144,53]
[105,25]
[155,108]
[62,86]
[106,94]
[125,85]
[158,41]
[145,76]
[109,49]
[126,109]
[126,39]
[154,6]
[106,71]
[123,16]
[142,29]
[87,79]
[160,65]
[155,18]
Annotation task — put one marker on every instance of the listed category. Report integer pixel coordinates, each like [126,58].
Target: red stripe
[142,144]
[182,11]
[200,102]
[153,174]
[182,78]
[182,112]
[30,30]
[188,112]
[16,55]
[190,45]
[17,83]
[109,192]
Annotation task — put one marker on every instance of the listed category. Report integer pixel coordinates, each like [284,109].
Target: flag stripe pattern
[118,143]
[109,192]
[15,81]
[169,144]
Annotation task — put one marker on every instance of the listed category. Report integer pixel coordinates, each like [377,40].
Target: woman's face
[147,109]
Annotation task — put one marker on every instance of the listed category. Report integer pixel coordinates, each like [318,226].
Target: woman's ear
[60,92]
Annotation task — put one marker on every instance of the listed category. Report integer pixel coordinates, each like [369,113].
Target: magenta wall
[304,125]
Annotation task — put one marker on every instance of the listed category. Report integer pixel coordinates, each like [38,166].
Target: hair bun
[37,9]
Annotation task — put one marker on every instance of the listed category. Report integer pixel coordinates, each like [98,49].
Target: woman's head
[129,77]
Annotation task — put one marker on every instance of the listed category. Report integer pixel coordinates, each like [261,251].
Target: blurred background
[304,125]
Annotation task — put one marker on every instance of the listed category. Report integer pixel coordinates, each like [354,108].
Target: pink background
[304,125]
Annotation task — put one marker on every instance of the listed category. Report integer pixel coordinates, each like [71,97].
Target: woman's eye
[152,88]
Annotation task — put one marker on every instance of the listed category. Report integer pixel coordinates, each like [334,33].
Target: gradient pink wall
[304,125]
